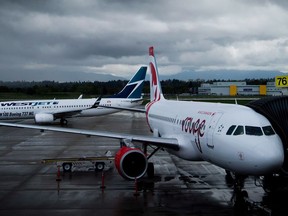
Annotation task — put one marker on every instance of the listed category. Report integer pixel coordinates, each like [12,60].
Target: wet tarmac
[179,187]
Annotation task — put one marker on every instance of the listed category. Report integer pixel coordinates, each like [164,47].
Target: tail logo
[134,87]
[154,82]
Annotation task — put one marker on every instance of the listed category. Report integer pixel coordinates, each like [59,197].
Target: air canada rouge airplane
[231,136]
[47,111]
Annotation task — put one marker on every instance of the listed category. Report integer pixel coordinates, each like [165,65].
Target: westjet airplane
[231,136]
[47,111]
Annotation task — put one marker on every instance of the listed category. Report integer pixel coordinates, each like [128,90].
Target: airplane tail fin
[155,86]
[134,87]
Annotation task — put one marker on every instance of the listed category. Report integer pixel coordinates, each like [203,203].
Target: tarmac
[28,187]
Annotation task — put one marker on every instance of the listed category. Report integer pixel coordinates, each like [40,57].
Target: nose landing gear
[239,197]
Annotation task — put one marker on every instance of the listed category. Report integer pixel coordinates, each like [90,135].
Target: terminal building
[240,88]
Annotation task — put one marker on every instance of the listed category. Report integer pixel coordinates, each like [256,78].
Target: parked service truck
[82,163]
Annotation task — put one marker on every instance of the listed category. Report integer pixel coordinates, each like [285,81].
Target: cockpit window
[268,130]
[239,130]
[255,131]
[230,130]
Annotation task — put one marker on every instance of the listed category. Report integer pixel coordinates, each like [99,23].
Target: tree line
[90,88]
[97,88]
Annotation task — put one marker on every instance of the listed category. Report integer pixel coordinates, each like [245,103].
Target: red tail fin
[155,87]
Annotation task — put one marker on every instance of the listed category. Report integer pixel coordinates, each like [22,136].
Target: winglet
[155,86]
[97,102]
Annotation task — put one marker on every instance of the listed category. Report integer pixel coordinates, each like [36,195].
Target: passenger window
[239,130]
[268,130]
[230,130]
[255,131]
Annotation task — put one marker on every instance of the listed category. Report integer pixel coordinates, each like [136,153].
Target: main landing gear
[63,122]
[150,168]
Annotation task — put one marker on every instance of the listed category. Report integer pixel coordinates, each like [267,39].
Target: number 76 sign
[281,81]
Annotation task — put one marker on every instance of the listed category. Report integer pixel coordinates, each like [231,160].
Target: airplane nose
[271,157]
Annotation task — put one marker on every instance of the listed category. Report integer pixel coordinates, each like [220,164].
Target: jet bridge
[275,109]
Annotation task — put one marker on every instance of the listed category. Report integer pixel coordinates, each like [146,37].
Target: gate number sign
[281,81]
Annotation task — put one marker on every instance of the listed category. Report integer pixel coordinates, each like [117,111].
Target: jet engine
[44,118]
[131,163]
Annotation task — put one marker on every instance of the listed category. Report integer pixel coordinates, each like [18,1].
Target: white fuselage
[110,102]
[28,109]
[202,132]
[60,108]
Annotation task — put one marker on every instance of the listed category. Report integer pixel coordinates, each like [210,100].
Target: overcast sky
[113,36]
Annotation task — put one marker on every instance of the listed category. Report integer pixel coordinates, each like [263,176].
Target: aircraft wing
[136,100]
[170,143]
[69,114]
[124,108]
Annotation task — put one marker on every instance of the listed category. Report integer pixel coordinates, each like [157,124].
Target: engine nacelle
[43,118]
[131,163]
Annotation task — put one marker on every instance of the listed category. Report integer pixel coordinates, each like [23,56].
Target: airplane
[47,111]
[231,136]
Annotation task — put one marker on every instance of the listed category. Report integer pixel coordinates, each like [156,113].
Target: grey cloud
[71,35]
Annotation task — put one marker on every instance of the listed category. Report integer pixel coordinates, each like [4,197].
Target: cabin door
[212,130]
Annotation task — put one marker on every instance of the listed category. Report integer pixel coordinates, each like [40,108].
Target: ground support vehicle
[81,164]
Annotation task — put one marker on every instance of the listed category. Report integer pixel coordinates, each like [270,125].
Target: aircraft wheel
[241,206]
[150,170]
[63,122]
[67,167]
[99,166]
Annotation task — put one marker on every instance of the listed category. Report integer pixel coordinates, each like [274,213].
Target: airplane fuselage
[46,111]
[28,109]
[110,102]
[60,108]
[231,136]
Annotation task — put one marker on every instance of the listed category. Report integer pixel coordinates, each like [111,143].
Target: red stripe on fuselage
[148,107]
